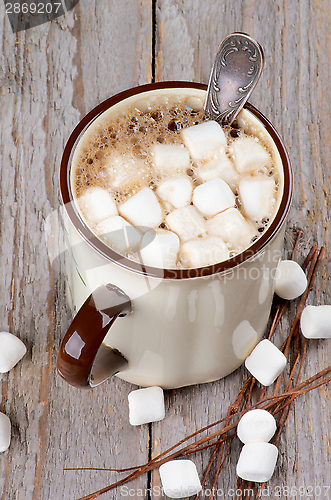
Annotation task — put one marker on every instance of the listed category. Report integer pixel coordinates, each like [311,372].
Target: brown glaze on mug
[80,361]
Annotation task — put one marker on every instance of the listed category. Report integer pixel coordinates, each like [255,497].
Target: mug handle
[83,360]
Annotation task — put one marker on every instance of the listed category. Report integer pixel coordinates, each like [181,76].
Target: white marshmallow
[203,252]
[159,249]
[125,172]
[194,103]
[213,196]
[257,462]
[249,155]
[232,227]
[170,159]
[222,167]
[179,478]
[257,193]
[142,209]
[204,141]
[146,405]
[142,105]
[315,322]
[290,280]
[118,234]
[177,191]
[266,362]
[187,222]
[256,426]
[5,432]
[12,350]
[97,204]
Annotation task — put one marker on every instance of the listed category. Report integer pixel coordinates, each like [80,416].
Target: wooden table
[50,76]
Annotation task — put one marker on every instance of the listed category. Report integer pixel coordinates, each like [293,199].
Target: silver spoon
[237,68]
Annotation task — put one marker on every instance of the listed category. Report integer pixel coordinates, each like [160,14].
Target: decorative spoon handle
[237,68]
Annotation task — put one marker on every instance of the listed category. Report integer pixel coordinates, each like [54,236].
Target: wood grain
[294,94]
[50,77]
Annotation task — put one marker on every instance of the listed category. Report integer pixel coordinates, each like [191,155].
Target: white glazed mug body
[183,329]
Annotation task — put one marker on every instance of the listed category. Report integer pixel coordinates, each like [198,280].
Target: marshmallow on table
[266,362]
[125,172]
[257,193]
[315,322]
[5,432]
[213,196]
[290,281]
[203,252]
[146,405]
[142,209]
[170,159]
[222,167]
[179,478]
[97,204]
[249,155]
[12,350]
[256,426]
[232,227]
[177,191]
[187,222]
[118,234]
[257,462]
[159,249]
[204,141]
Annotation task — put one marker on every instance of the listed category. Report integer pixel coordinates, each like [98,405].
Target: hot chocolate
[159,183]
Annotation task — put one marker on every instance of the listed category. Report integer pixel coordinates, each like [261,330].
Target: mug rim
[180,273]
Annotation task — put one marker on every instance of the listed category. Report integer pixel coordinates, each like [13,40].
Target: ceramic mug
[165,327]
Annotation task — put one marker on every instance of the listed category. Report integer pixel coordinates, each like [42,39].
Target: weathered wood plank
[295,95]
[50,76]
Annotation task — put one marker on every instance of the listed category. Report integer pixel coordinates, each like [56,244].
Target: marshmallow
[170,159]
[256,426]
[177,191]
[213,196]
[257,462]
[143,105]
[146,405]
[194,103]
[290,280]
[204,141]
[266,362]
[222,167]
[249,155]
[232,227]
[12,350]
[257,193]
[203,252]
[126,172]
[118,234]
[160,249]
[142,209]
[97,204]
[5,432]
[315,322]
[179,478]
[187,222]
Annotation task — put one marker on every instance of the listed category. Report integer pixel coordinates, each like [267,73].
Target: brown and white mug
[165,327]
